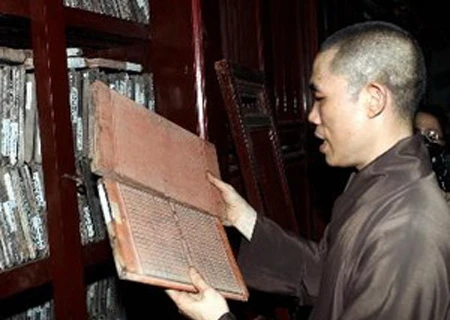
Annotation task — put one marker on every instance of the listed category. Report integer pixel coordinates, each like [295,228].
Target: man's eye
[318,98]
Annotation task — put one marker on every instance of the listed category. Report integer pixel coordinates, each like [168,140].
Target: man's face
[340,118]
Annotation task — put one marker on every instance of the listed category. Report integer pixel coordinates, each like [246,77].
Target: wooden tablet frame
[256,140]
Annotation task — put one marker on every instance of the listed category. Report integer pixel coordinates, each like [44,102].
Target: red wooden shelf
[77,18]
[103,27]
[15,8]
[30,275]
[97,253]
[35,274]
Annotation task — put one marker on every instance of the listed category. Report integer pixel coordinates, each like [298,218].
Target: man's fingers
[197,280]
[213,179]
[175,295]
[219,184]
[223,187]
[211,176]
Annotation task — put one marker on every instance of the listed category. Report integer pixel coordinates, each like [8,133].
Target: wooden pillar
[49,45]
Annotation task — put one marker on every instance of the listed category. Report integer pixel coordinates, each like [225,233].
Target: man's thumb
[197,280]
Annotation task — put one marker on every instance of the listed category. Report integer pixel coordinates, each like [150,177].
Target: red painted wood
[199,68]
[91,22]
[97,253]
[172,60]
[66,269]
[15,7]
[22,278]
[241,32]
[216,127]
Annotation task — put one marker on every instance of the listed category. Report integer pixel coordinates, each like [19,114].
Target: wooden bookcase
[171,48]
[48,28]
[179,46]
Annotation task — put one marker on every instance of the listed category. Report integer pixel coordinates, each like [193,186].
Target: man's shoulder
[419,210]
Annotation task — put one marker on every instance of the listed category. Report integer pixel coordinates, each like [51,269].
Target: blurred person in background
[431,122]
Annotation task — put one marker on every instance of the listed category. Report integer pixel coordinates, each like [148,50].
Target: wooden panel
[173,62]
[162,214]
[256,141]
[293,144]
[291,42]
[216,127]
[297,171]
[151,151]
[268,179]
[241,34]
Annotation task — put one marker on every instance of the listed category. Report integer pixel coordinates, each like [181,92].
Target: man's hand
[207,304]
[236,206]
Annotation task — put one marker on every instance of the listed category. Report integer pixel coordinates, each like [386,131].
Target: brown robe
[385,254]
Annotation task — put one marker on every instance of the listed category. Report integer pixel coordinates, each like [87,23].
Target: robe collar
[404,164]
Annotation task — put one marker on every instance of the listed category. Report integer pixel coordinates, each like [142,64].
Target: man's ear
[377,98]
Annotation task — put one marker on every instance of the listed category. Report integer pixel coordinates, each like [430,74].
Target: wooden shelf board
[103,28]
[97,253]
[15,8]
[30,275]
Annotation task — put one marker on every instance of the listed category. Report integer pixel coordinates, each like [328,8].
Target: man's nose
[313,115]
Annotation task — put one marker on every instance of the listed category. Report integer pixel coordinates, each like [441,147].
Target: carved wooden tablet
[161,212]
